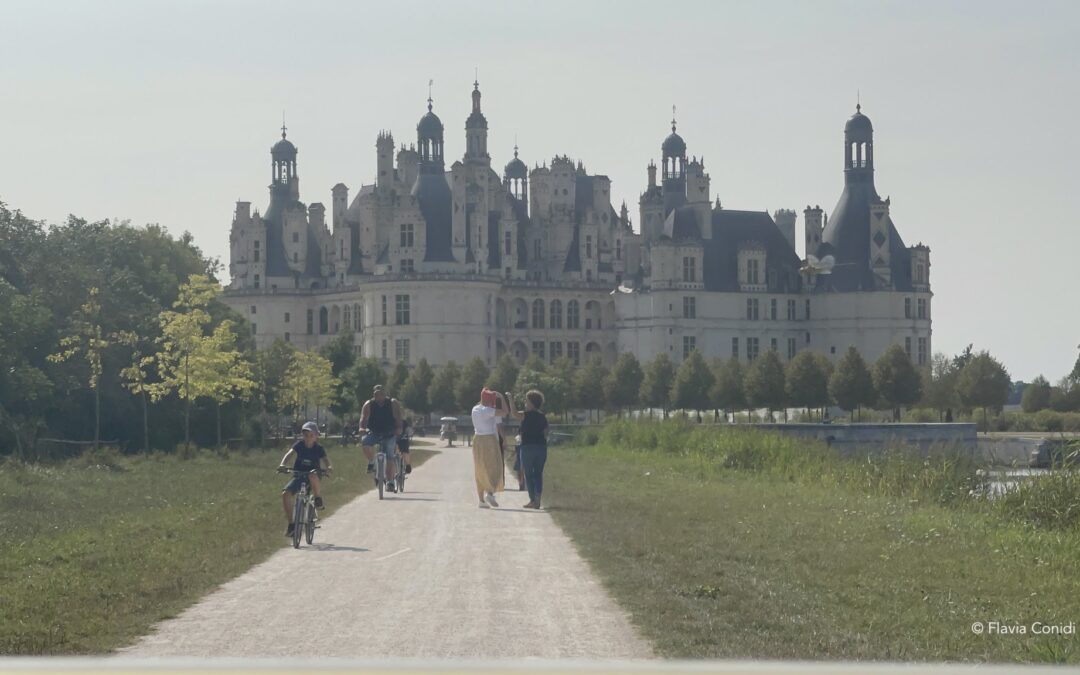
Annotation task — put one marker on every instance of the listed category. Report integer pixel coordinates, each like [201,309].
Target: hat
[310,426]
[488,397]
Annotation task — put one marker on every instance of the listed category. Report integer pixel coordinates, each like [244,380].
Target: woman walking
[487,457]
[533,452]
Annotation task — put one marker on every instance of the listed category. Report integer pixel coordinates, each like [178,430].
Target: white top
[484,419]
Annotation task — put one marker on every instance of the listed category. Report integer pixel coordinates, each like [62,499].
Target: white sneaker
[484,506]
[491,500]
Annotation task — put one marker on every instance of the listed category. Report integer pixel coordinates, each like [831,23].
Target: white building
[453,264]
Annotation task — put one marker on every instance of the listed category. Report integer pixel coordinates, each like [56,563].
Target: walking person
[488,465]
[533,451]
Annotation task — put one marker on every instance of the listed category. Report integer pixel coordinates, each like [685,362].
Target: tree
[939,392]
[359,381]
[656,385]
[441,395]
[271,365]
[340,352]
[728,392]
[549,383]
[136,380]
[24,385]
[851,384]
[764,382]
[503,377]
[230,375]
[622,388]
[467,389]
[1036,395]
[589,385]
[806,380]
[983,383]
[308,382]
[89,340]
[396,381]
[415,392]
[897,382]
[563,395]
[693,380]
[182,360]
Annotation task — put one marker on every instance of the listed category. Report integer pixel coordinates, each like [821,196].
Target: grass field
[97,550]
[720,562]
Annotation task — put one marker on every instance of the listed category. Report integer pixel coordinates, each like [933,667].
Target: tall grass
[943,475]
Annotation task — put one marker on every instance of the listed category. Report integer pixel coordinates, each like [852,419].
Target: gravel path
[426,574]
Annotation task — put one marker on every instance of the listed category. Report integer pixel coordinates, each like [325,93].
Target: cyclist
[309,457]
[403,444]
[381,418]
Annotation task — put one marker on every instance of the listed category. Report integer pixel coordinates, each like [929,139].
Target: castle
[459,263]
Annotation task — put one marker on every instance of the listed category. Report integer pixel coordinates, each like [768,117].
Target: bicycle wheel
[401,475]
[380,473]
[298,518]
[309,532]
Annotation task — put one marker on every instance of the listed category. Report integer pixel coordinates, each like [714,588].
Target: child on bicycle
[309,457]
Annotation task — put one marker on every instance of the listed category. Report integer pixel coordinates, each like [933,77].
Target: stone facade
[450,264]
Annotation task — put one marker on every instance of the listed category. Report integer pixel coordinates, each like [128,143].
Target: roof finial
[515,146]
[429,83]
[283,124]
[858,101]
[672,119]
[476,78]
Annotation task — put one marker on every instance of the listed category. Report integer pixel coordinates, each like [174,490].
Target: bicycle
[380,464]
[400,477]
[305,515]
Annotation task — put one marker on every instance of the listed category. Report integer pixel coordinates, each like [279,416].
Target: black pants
[533,457]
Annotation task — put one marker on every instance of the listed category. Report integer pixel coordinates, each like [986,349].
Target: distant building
[454,264]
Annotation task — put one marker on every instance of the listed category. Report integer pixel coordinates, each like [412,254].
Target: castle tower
[858,148]
[673,168]
[476,128]
[516,179]
[284,179]
[812,226]
[384,149]
[431,190]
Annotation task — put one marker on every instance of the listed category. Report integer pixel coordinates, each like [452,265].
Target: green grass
[799,554]
[97,550]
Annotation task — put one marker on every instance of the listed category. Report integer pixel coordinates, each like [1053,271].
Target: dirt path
[425,574]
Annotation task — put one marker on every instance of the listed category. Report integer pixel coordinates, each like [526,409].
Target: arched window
[556,314]
[346,317]
[573,315]
[356,317]
[538,313]
[324,321]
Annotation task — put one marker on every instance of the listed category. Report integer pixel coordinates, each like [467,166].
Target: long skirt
[487,463]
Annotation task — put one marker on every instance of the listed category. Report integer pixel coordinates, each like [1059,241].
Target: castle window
[751,348]
[689,266]
[538,349]
[324,321]
[556,351]
[254,329]
[286,317]
[907,308]
[256,257]
[807,337]
[922,313]
[907,346]
[752,307]
[922,351]
[573,316]
[401,310]
[791,348]
[573,352]
[253,309]
[256,281]
[689,344]
[288,336]
[588,247]
[296,237]
[384,310]
[507,242]
[920,274]
[772,309]
[791,310]
[808,309]
[407,266]
[346,318]
[401,350]
[689,307]
[772,345]
[508,272]
[310,321]
[383,351]
[356,316]
[752,271]
[407,235]
[538,313]
[555,314]
[256,242]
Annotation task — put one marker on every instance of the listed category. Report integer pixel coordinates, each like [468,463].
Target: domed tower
[431,190]
[284,179]
[516,178]
[859,148]
[674,170]
[476,128]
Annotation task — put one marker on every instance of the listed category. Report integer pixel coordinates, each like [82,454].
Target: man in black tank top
[381,417]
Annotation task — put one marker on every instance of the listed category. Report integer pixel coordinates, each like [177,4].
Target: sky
[160,112]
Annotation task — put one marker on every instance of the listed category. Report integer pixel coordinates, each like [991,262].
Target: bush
[1050,500]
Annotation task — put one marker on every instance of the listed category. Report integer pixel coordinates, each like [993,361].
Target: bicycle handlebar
[298,472]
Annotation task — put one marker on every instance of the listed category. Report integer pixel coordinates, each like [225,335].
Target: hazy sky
[165,112]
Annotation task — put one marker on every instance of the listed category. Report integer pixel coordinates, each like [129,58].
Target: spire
[673,119]
[429,83]
[283,124]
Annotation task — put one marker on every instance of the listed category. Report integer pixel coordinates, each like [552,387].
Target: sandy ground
[426,574]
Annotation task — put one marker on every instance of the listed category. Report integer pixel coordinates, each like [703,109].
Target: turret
[384,149]
[813,224]
[785,221]
[476,128]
